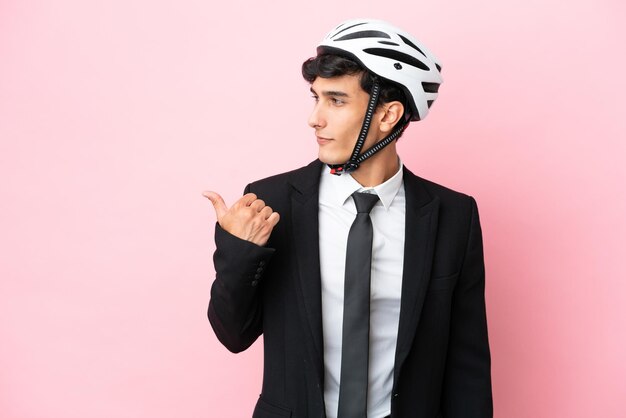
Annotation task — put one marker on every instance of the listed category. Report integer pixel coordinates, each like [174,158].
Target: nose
[316,119]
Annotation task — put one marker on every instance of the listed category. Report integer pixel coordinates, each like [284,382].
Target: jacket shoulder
[451,202]
[304,176]
[436,189]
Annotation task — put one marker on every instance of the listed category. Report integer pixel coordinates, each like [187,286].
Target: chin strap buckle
[339,169]
[336,170]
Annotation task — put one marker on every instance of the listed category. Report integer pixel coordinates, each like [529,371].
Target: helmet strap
[355,158]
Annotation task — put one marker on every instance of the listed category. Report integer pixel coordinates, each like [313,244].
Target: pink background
[116,115]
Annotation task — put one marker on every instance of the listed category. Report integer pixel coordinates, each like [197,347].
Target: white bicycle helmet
[390,53]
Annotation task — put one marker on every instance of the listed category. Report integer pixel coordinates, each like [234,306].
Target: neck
[378,168]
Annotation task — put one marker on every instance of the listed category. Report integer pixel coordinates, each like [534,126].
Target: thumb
[218,203]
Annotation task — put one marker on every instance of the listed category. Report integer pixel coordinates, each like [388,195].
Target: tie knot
[364,201]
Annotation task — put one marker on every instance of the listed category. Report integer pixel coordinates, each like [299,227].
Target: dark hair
[327,66]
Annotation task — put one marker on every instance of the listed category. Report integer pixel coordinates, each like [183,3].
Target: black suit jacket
[442,360]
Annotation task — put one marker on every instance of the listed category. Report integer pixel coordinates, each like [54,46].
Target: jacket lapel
[305,230]
[420,232]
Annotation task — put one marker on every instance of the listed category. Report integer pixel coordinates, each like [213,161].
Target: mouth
[321,140]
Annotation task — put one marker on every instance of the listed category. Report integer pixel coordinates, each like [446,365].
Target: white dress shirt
[336,214]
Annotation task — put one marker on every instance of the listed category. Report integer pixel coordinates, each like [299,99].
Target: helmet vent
[397,56]
[429,102]
[344,29]
[411,44]
[430,87]
[388,43]
[364,34]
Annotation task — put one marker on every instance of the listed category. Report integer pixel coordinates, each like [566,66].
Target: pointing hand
[248,218]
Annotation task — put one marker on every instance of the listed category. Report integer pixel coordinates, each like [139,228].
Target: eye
[336,101]
[315,97]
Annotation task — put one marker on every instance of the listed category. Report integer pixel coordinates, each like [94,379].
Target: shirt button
[259,270]
[261,263]
[254,283]
[257,276]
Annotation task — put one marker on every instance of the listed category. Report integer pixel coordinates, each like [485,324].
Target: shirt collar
[345,185]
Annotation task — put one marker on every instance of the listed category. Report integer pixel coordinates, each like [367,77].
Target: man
[294,258]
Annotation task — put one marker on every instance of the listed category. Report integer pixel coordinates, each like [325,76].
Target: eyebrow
[328,93]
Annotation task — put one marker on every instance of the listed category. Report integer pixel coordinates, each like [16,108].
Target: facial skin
[340,105]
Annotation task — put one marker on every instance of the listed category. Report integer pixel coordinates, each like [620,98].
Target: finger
[246,199]
[218,203]
[273,219]
[257,205]
[266,212]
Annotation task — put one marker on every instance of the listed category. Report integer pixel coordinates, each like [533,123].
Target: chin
[328,158]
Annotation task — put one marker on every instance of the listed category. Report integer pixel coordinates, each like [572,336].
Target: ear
[392,112]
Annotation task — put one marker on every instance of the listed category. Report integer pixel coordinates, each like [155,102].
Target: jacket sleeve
[467,380]
[235,309]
